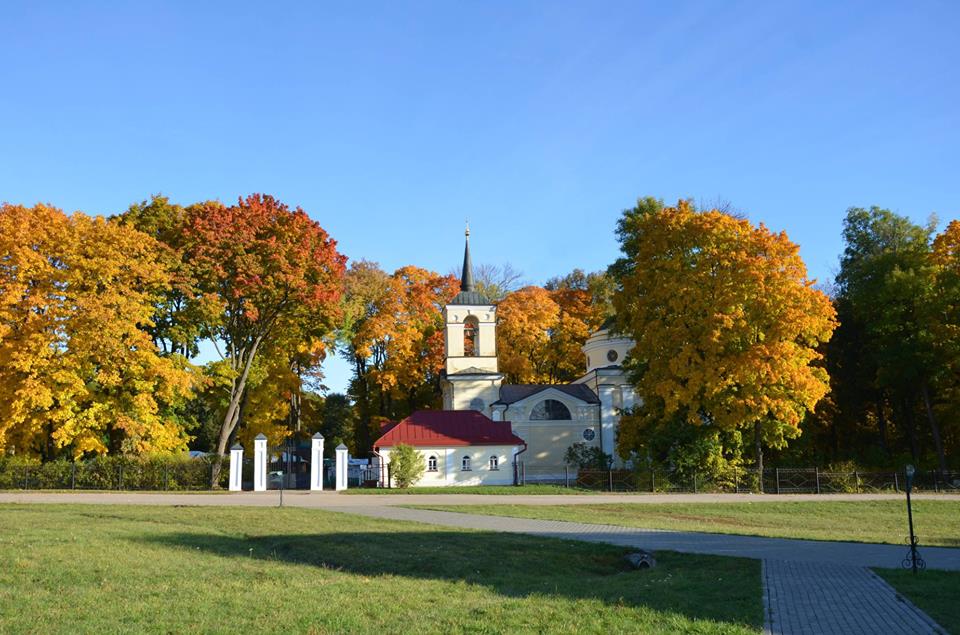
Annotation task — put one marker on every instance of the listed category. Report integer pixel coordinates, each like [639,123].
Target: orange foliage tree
[261,270]
[77,369]
[393,336]
[726,324]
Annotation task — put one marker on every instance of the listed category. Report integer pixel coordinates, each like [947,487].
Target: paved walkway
[809,586]
[806,597]
[299,498]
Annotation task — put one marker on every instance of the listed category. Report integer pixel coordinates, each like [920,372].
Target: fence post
[778,480]
[236,468]
[73,475]
[816,471]
[166,469]
[316,463]
[566,476]
[342,469]
[694,481]
[856,478]
[26,477]
[260,463]
[936,487]
[610,477]
[736,480]
[523,473]
[119,476]
[896,482]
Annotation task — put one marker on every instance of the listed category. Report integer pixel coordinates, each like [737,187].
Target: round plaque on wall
[612,356]
[589,434]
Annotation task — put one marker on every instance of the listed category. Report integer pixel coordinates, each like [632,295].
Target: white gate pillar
[260,463]
[316,463]
[341,467]
[236,467]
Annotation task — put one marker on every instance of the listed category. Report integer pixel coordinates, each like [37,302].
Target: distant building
[483,418]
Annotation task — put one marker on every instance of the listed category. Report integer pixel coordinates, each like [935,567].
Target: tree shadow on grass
[698,587]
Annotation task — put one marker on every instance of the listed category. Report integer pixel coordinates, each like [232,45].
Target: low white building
[459,447]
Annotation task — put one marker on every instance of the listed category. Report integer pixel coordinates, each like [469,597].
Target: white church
[486,425]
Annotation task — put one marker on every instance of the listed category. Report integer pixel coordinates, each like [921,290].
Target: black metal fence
[114,473]
[735,480]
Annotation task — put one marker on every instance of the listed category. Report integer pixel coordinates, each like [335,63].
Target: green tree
[886,285]
[406,465]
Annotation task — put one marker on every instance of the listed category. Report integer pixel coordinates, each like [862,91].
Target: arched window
[550,410]
[470,327]
[494,462]
[465,464]
[432,464]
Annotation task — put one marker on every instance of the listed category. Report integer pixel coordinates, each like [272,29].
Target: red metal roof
[438,428]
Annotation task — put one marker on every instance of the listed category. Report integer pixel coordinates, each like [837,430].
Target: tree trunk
[934,428]
[758,444]
[882,423]
[232,416]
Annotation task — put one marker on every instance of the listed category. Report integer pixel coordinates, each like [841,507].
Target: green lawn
[936,592]
[478,490]
[78,568]
[937,522]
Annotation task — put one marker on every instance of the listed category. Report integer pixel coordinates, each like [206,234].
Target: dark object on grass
[641,560]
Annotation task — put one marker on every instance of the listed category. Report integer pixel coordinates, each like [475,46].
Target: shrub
[587,457]
[406,465]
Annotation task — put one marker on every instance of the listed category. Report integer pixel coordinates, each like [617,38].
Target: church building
[486,425]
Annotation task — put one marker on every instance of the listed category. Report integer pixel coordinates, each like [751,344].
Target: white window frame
[465,463]
[432,463]
[494,463]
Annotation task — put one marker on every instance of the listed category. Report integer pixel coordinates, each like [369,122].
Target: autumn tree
[541,331]
[78,369]
[525,319]
[262,269]
[393,336]
[177,320]
[726,325]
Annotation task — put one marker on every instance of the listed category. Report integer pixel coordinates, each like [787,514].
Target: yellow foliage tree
[77,369]
[725,320]
[525,320]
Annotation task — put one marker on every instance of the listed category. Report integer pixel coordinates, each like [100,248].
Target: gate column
[316,463]
[236,467]
[341,467]
[260,463]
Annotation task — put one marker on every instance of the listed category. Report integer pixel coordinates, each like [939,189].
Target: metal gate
[288,465]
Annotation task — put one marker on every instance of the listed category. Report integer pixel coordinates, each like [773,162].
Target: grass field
[78,568]
[937,522]
[935,592]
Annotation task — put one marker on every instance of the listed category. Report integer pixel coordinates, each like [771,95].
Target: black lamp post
[912,561]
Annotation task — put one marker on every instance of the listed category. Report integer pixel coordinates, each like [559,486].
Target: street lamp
[913,560]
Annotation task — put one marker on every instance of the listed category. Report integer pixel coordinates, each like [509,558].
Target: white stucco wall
[547,441]
[449,461]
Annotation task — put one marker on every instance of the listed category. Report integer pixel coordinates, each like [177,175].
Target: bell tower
[470,329]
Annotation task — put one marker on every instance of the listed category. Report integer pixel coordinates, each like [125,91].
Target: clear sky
[391,123]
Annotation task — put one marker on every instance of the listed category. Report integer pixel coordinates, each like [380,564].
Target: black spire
[467,293]
[466,278]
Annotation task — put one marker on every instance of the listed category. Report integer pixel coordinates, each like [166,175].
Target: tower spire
[466,278]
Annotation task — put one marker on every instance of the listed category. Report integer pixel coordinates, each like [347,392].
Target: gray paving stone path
[812,598]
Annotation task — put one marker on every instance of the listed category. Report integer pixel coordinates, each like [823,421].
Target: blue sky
[390,123]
